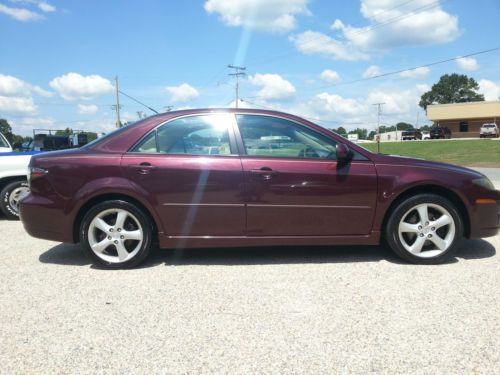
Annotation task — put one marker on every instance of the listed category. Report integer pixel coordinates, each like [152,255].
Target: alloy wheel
[115,235]
[427,230]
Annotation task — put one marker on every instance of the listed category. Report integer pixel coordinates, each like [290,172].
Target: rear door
[294,185]
[190,172]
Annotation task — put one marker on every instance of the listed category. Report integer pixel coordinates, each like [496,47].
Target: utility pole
[117,105]
[379,112]
[238,71]
[418,115]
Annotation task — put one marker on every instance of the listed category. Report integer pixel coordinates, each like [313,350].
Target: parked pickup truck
[13,181]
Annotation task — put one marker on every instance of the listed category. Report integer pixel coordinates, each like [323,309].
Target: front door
[190,171]
[294,185]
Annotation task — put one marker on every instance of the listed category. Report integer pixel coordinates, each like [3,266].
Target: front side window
[194,135]
[275,137]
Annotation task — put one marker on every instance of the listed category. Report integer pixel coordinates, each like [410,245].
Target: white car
[426,135]
[4,144]
[489,130]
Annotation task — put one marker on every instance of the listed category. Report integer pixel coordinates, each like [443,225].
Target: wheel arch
[7,180]
[106,197]
[431,189]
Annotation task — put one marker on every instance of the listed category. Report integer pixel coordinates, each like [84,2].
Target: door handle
[265,173]
[143,168]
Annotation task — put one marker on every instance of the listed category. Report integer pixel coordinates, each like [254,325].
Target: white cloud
[467,63]
[330,76]
[12,86]
[371,71]
[315,43]
[415,73]
[17,105]
[273,86]
[337,105]
[87,109]
[182,93]
[20,14]
[393,24]
[74,86]
[390,24]
[267,15]
[400,105]
[489,89]
[46,7]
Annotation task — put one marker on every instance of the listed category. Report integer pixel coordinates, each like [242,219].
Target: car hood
[405,161]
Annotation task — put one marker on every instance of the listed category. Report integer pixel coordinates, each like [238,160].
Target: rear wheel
[116,234]
[11,195]
[424,229]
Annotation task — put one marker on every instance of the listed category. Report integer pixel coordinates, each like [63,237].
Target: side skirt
[170,242]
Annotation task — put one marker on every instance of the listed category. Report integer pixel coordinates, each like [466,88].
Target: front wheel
[11,195]
[424,229]
[116,234]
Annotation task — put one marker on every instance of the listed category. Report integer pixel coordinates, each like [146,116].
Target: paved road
[301,311]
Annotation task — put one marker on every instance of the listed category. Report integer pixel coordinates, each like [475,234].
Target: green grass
[474,153]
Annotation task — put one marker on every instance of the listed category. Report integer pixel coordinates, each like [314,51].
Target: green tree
[362,133]
[403,126]
[452,88]
[6,130]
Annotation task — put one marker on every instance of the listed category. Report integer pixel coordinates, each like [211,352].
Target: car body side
[80,185]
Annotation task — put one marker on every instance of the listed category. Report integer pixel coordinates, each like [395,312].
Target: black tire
[142,219]
[10,211]
[392,234]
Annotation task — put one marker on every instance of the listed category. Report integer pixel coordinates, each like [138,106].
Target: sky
[315,58]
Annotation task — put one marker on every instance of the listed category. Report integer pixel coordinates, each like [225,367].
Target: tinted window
[276,137]
[195,135]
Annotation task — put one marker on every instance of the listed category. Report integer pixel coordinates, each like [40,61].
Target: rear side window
[194,135]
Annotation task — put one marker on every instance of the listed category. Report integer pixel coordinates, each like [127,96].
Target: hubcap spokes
[16,195]
[115,235]
[427,230]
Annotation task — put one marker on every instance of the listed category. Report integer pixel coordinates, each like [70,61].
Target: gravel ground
[248,311]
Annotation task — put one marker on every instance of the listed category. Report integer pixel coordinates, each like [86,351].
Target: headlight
[484,183]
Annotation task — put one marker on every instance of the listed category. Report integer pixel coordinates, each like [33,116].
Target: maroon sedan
[213,178]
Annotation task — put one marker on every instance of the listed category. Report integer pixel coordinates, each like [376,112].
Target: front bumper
[485,219]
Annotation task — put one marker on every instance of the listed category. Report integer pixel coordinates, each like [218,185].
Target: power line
[394,72]
[137,101]
[361,31]
[408,69]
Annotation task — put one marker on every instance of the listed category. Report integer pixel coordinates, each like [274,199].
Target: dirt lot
[292,310]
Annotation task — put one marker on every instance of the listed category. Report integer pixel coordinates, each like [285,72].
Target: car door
[190,171]
[296,187]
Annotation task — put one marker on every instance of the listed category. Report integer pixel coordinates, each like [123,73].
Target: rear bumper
[42,218]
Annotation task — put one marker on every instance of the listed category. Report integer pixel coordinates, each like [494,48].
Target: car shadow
[73,255]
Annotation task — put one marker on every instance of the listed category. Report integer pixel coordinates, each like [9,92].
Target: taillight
[36,172]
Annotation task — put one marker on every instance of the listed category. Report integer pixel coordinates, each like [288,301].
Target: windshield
[489,126]
[3,141]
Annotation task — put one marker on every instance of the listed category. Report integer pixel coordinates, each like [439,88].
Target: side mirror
[344,153]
